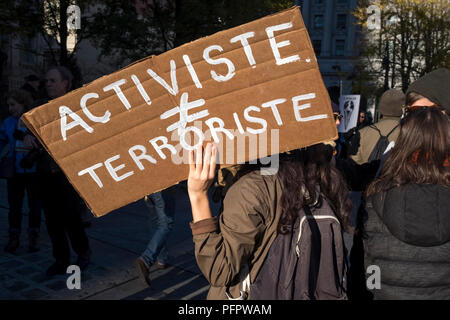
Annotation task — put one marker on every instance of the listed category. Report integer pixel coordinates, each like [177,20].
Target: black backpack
[308,263]
[381,145]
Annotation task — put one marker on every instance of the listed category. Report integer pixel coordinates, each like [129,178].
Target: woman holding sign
[261,215]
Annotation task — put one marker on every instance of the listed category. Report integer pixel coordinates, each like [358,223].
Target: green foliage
[125,29]
[46,18]
[413,39]
[117,30]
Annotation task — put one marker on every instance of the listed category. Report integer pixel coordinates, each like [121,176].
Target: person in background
[414,182]
[61,203]
[156,252]
[32,86]
[364,120]
[12,132]
[429,91]
[390,107]
[408,205]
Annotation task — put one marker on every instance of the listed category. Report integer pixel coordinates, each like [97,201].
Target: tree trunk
[179,28]
[63,54]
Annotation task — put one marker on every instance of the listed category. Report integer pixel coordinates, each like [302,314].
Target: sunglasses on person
[407,109]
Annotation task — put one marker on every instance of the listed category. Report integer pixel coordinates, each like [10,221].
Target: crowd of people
[384,185]
[49,191]
[46,186]
[261,247]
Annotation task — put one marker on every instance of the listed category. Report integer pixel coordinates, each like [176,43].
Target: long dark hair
[420,154]
[301,177]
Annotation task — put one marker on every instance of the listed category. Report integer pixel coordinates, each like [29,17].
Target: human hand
[201,170]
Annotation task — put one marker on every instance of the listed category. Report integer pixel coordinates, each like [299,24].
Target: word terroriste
[65,112]
[138,153]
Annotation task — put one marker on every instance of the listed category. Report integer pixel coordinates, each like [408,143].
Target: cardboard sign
[126,135]
[349,108]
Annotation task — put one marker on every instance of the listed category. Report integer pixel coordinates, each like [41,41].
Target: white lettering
[230,65]
[77,121]
[199,134]
[143,156]
[113,171]
[183,109]
[116,87]
[238,123]
[192,72]
[273,104]
[84,99]
[164,144]
[297,108]
[247,49]
[173,90]
[210,123]
[252,119]
[276,45]
[141,89]
[92,173]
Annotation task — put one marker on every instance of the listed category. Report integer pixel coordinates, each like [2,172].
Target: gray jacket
[408,237]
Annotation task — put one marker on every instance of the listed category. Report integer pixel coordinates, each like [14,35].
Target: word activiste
[115,137]
[172,89]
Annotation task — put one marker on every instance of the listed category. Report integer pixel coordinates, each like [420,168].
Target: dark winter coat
[408,238]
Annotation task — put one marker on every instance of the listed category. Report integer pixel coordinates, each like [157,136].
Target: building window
[317,45]
[318,1]
[340,48]
[341,1]
[341,21]
[318,21]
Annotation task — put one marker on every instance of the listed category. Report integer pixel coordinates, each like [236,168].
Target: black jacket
[408,237]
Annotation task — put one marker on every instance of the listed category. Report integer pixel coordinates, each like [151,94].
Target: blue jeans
[163,219]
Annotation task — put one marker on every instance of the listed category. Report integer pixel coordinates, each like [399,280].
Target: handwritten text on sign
[114,137]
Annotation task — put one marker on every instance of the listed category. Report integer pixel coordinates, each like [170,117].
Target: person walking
[156,252]
[24,178]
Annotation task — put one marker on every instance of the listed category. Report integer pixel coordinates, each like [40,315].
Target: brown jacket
[247,228]
[370,136]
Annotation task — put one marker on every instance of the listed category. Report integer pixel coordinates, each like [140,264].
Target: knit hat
[391,103]
[434,86]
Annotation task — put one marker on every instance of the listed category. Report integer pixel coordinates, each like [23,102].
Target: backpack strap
[316,247]
[392,130]
[375,128]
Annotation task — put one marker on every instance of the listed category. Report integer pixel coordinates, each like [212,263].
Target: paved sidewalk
[116,240]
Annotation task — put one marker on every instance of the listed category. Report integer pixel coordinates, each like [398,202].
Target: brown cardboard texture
[255,90]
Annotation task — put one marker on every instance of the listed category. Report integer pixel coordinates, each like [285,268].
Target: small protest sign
[127,134]
[349,108]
